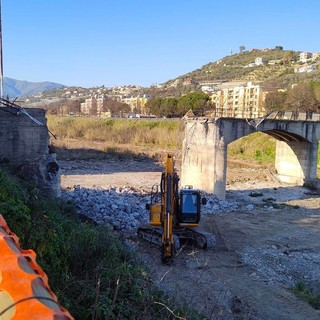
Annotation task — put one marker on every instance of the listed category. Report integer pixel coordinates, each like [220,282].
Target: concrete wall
[21,139]
[25,144]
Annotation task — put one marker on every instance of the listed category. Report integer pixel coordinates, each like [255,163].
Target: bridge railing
[294,116]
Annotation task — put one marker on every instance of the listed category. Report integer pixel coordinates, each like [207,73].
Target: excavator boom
[169,189]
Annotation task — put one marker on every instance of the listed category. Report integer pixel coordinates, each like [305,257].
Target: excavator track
[154,236]
[199,238]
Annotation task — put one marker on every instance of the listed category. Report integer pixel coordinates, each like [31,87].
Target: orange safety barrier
[24,288]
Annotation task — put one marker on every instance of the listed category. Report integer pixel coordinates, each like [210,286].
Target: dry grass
[84,138]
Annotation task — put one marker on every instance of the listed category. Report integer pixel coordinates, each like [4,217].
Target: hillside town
[237,98]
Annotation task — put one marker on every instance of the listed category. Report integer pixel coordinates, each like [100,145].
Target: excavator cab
[190,201]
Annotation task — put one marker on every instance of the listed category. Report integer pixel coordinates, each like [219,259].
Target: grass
[127,136]
[94,275]
[257,146]
[304,293]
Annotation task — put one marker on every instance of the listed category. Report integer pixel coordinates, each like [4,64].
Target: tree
[288,57]
[169,107]
[278,48]
[73,106]
[115,107]
[316,89]
[275,101]
[94,107]
[302,98]
[242,48]
[154,106]
[196,101]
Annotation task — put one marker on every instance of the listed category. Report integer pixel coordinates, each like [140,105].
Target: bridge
[204,150]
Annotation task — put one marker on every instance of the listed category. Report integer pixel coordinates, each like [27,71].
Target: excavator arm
[169,203]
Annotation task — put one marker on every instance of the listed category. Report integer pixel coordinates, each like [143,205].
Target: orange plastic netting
[24,289]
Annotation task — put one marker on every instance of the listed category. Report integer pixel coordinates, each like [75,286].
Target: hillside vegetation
[236,66]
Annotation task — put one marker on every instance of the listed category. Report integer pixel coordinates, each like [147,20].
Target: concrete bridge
[204,159]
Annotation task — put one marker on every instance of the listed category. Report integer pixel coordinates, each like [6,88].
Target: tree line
[73,106]
[171,107]
[303,97]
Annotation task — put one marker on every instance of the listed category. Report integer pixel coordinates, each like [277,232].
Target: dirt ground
[263,248]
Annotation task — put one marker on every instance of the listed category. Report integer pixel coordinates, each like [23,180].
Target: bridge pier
[204,159]
[296,162]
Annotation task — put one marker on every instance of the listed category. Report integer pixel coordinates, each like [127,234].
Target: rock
[249,207]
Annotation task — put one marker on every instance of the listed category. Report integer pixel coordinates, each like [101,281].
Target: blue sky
[143,42]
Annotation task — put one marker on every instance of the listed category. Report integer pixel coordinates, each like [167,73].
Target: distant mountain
[19,88]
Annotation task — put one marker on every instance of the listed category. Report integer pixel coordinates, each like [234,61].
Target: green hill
[277,70]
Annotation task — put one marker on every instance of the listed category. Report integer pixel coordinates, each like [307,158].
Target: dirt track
[263,249]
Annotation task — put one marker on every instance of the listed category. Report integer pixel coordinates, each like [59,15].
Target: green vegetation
[232,67]
[93,274]
[306,294]
[257,146]
[198,102]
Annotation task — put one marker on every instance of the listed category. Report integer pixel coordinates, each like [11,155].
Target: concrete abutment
[25,145]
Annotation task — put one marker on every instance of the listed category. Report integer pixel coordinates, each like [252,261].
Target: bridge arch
[204,159]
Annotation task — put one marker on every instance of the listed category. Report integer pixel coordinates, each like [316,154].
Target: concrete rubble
[124,208]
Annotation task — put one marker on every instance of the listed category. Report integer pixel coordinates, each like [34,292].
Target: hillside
[19,88]
[240,66]
[277,70]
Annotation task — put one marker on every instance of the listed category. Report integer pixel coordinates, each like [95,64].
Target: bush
[306,294]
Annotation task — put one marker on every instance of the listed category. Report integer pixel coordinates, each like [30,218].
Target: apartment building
[137,104]
[86,106]
[91,105]
[245,101]
[305,56]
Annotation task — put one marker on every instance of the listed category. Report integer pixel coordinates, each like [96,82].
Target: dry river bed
[266,246]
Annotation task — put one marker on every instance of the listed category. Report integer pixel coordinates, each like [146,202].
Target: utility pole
[1,58]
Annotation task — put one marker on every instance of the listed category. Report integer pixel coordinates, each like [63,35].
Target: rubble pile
[124,208]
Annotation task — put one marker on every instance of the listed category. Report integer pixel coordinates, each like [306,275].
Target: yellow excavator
[174,215]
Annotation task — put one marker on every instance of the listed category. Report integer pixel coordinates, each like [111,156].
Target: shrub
[303,292]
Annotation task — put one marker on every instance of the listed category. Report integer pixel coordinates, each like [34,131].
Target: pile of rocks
[121,208]
[124,208]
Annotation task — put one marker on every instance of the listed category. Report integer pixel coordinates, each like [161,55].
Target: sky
[144,42]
